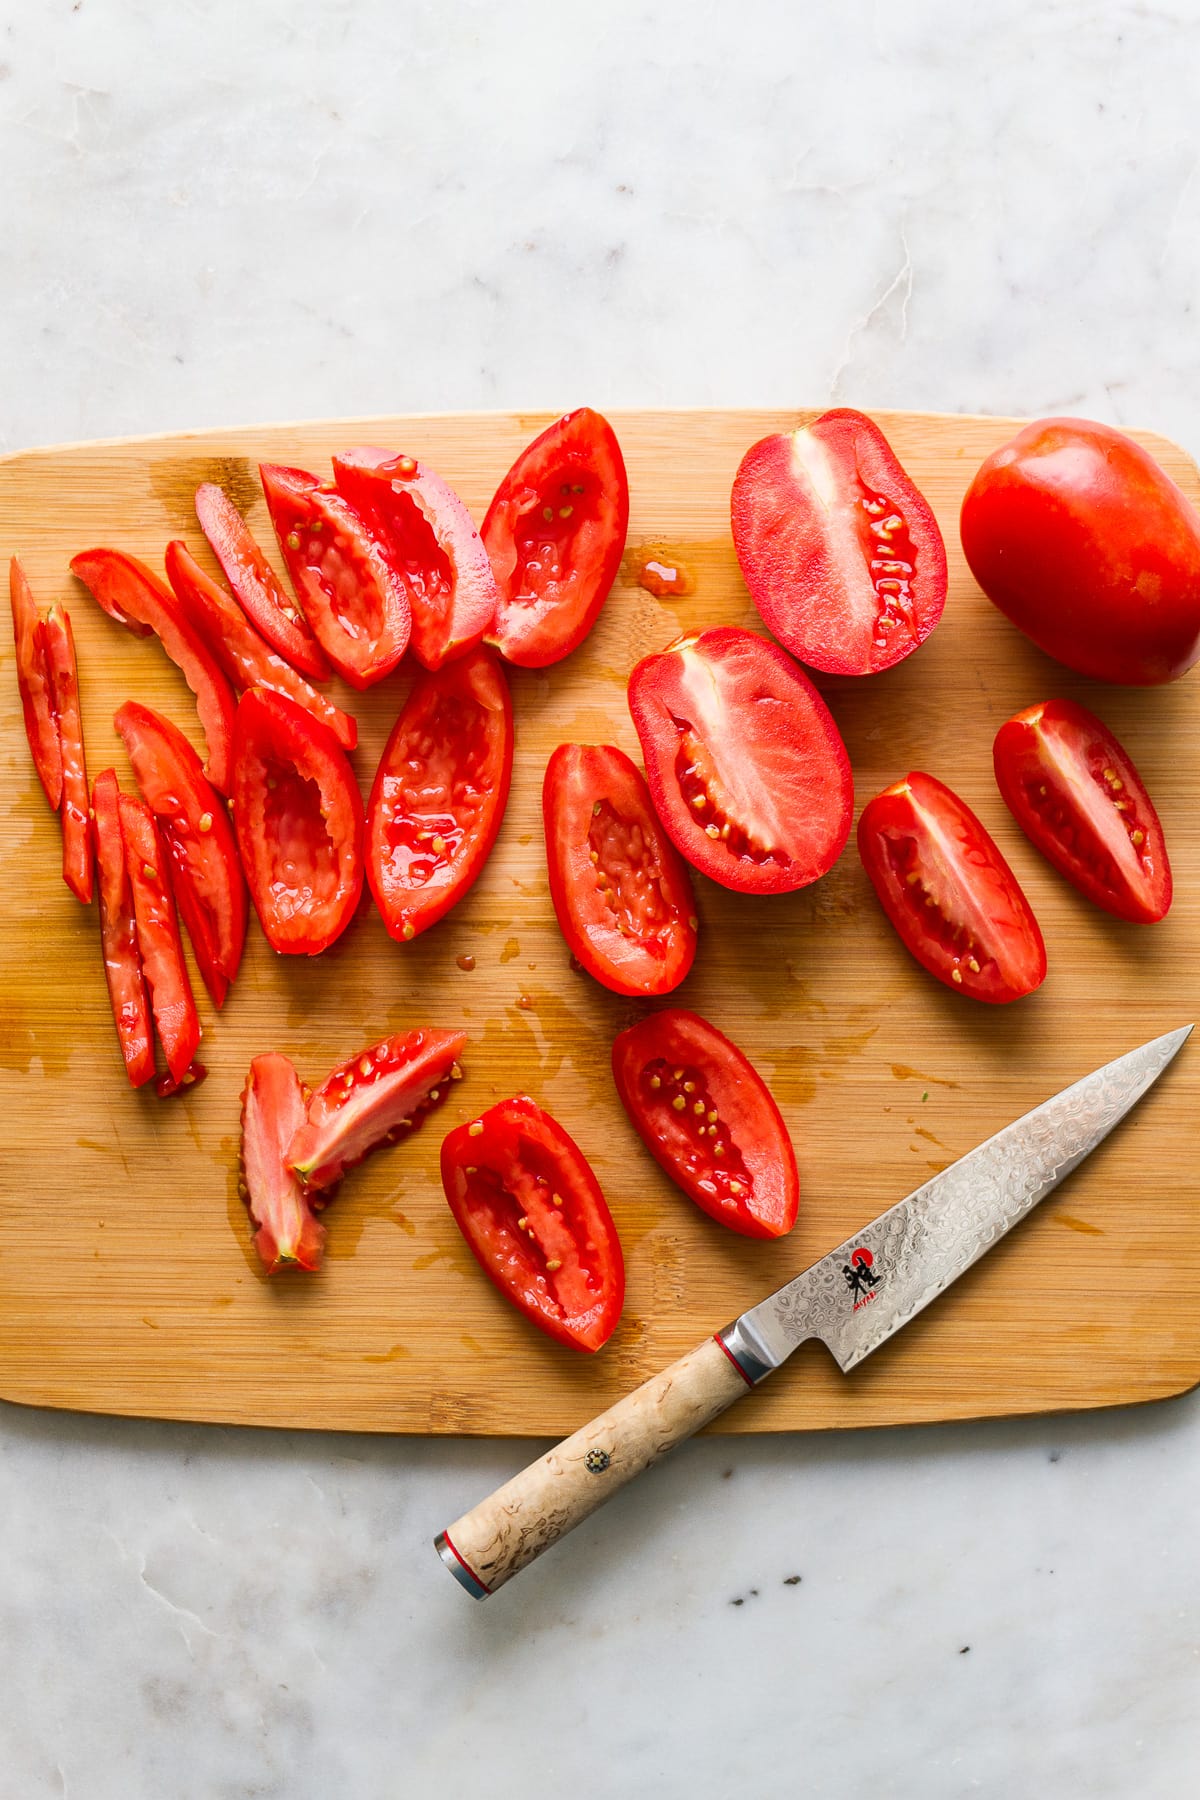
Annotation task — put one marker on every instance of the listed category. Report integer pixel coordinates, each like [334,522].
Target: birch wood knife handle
[499,1537]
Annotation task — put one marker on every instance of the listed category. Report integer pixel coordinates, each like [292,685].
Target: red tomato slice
[430,540]
[555,533]
[948,891]
[76,821]
[525,1198]
[842,556]
[1074,791]
[136,598]
[707,1117]
[247,659]
[298,816]
[118,936]
[36,690]
[439,793]
[373,1098]
[620,890]
[159,943]
[256,586]
[287,1235]
[747,770]
[353,600]
[207,876]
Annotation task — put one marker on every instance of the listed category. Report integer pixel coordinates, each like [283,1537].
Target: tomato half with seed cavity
[256,587]
[954,901]
[59,641]
[298,817]
[159,943]
[35,686]
[747,769]
[1075,793]
[620,889]
[439,793]
[708,1119]
[118,935]
[524,1197]
[287,1234]
[555,533]
[842,555]
[375,1097]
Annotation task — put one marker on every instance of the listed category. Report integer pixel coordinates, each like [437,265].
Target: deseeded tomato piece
[620,890]
[207,876]
[374,1097]
[118,936]
[748,773]
[524,1196]
[159,943]
[256,586]
[948,891]
[430,540]
[707,1117]
[1073,790]
[842,555]
[287,1236]
[76,823]
[298,816]
[352,598]
[439,793]
[555,532]
[34,684]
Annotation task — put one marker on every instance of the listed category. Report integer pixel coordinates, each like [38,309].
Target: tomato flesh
[35,686]
[255,584]
[286,1235]
[159,943]
[76,820]
[374,1097]
[118,936]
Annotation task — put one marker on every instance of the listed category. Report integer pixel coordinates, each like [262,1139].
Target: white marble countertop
[222,212]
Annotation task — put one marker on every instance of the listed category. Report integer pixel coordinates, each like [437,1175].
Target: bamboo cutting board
[127,1282]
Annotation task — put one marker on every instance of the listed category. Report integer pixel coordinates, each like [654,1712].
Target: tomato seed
[205,821]
[679,1103]
[408,931]
[475,1128]
[553,1266]
[293,540]
[956,974]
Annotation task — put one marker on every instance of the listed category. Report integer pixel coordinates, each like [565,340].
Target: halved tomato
[287,1236]
[620,889]
[59,644]
[439,793]
[159,943]
[1074,791]
[34,684]
[373,1098]
[748,772]
[524,1196]
[842,555]
[256,586]
[948,891]
[555,533]
[118,935]
[707,1117]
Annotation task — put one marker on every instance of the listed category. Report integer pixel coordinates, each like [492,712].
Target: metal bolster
[748,1350]
[465,1577]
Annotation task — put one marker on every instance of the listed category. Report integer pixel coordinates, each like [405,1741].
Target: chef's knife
[853,1300]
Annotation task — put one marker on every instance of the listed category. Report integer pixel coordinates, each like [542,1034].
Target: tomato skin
[841,553]
[118,936]
[375,1097]
[567,492]
[255,584]
[753,1186]
[34,684]
[728,719]
[76,821]
[948,891]
[1075,793]
[159,943]
[443,779]
[1088,546]
[298,816]
[286,1235]
[502,1175]
[603,838]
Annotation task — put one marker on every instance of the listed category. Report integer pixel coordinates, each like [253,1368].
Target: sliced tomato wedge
[206,874]
[439,793]
[298,816]
[375,1097]
[524,1196]
[953,899]
[159,943]
[555,533]
[256,586]
[118,936]
[1075,793]
[842,555]
[35,686]
[352,598]
[708,1119]
[748,772]
[76,800]
[132,595]
[287,1235]
[620,889]
[430,540]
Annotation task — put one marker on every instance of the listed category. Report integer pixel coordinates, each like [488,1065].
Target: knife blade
[853,1300]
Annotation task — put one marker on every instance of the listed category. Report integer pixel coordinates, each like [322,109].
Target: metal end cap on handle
[461,1571]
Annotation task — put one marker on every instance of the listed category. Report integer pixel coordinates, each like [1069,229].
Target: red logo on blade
[859,1278]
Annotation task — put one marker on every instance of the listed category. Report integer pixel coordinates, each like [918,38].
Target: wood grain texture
[127,1282]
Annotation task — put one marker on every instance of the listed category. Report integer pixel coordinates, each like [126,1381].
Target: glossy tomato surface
[524,1196]
[952,898]
[1077,534]
[159,944]
[259,591]
[620,889]
[59,642]
[118,935]
[287,1234]
[375,1097]
[747,769]
[842,555]
[1075,793]
[34,685]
